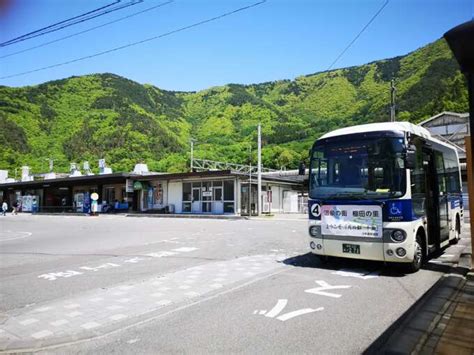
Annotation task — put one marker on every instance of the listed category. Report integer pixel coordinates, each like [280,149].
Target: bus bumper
[380,249]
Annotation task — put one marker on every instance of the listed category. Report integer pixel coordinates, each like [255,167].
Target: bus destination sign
[352,220]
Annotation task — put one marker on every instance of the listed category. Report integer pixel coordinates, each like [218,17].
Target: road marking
[59,322]
[119,293]
[126,288]
[29,321]
[185,249]
[42,334]
[42,309]
[161,254]
[216,285]
[325,286]
[124,300]
[20,235]
[132,341]
[96,299]
[281,304]
[164,289]
[118,316]
[184,287]
[360,274]
[297,313]
[192,294]
[55,275]
[90,325]
[158,294]
[133,260]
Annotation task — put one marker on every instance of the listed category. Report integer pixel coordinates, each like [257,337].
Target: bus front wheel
[418,257]
[457,232]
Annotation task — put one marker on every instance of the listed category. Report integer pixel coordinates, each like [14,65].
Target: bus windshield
[369,168]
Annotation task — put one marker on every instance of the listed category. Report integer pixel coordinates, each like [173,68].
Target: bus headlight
[315,231]
[398,236]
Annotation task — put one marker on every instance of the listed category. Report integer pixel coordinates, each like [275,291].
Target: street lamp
[461,41]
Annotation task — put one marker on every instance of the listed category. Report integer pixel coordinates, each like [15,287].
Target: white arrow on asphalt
[280,306]
[325,286]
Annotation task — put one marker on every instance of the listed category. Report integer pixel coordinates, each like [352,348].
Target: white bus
[383,191]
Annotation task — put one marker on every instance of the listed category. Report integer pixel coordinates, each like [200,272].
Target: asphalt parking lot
[116,284]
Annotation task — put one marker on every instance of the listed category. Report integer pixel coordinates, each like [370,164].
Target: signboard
[207,194]
[351,220]
[94,196]
[129,185]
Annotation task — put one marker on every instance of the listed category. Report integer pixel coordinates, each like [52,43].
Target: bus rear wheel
[418,257]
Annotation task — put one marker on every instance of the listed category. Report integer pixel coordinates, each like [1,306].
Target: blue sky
[280,39]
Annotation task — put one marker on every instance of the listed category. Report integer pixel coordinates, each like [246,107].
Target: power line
[181,29]
[61,22]
[358,35]
[88,30]
[70,22]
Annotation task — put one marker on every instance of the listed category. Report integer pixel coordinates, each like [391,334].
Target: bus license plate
[351,248]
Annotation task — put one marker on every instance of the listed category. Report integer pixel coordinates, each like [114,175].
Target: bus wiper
[346,196]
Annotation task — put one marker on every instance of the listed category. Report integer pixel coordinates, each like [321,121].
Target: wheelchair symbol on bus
[395,209]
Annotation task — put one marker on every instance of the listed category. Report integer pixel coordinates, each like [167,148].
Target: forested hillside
[107,116]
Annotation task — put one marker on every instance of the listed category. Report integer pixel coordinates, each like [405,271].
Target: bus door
[436,199]
[442,197]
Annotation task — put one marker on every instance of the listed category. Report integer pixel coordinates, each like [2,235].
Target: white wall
[175,195]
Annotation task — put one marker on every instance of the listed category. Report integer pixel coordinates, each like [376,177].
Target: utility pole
[250,180]
[259,171]
[392,100]
[192,140]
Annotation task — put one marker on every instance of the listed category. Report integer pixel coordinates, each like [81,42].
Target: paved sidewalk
[102,311]
[442,321]
[456,327]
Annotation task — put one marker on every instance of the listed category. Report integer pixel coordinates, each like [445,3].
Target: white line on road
[299,312]
[281,304]
[325,286]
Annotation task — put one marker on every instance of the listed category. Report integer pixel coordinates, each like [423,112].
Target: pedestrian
[15,206]
[4,208]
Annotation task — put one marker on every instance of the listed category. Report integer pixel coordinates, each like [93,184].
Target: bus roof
[383,126]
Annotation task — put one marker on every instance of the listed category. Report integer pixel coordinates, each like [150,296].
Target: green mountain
[107,116]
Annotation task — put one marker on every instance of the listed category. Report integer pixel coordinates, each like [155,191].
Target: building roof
[444,113]
[121,177]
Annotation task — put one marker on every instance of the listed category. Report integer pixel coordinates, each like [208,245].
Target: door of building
[218,204]
[196,205]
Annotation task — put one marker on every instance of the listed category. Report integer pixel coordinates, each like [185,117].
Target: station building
[206,192]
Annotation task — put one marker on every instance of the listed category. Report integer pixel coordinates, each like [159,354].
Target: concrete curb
[417,327]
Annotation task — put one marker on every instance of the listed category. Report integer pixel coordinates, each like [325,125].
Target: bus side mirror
[410,157]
